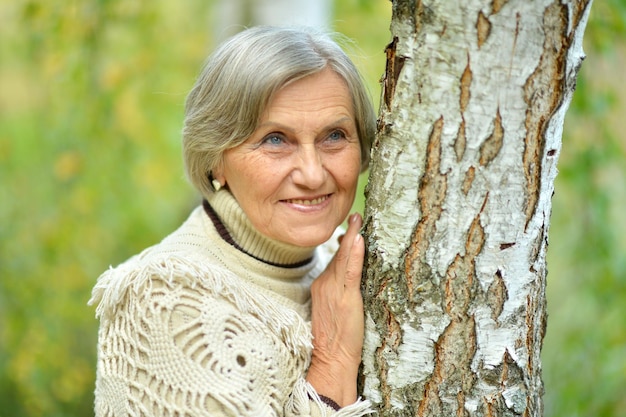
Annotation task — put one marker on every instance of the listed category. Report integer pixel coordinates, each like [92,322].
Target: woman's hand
[337,320]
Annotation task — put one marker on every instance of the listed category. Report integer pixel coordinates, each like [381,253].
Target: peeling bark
[458,204]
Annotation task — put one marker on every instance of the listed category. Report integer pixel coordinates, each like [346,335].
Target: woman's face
[296,176]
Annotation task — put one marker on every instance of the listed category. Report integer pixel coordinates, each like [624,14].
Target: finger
[355,222]
[354,266]
[354,225]
[343,252]
[349,258]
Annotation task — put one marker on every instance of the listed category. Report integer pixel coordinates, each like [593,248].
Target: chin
[315,239]
[309,243]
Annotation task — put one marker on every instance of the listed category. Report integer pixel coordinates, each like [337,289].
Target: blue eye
[273,139]
[336,135]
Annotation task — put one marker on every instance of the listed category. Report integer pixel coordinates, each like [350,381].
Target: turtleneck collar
[247,238]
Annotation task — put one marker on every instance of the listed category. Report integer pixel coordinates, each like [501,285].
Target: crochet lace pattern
[182,335]
[170,350]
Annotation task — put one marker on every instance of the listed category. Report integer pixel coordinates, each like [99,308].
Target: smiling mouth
[312,202]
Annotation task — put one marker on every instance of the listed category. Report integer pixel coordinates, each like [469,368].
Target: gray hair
[240,78]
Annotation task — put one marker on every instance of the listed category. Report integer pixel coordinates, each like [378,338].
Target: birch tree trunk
[458,204]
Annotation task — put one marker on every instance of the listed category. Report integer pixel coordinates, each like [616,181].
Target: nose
[309,171]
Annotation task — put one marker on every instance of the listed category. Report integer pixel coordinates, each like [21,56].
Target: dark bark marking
[460,141]
[496,5]
[497,295]
[411,11]
[431,404]
[466,81]
[535,249]
[392,71]
[431,194]
[459,284]
[468,180]
[392,333]
[504,376]
[483,28]
[488,409]
[492,145]
[518,17]
[422,14]
[458,287]
[456,346]
[578,11]
[536,318]
[476,236]
[530,326]
[512,375]
[507,245]
[543,93]
[460,405]
[454,353]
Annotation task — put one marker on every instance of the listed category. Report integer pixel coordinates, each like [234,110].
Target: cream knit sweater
[195,326]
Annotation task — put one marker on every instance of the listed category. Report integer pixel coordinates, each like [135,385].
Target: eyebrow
[281,126]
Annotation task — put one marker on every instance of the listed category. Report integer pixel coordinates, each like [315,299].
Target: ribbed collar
[248,239]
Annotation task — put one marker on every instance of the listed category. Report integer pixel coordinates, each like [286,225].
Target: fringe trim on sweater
[305,401]
[138,272]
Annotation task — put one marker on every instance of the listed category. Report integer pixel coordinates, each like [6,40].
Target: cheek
[255,183]
[350,170]
[347,180]
[244,170]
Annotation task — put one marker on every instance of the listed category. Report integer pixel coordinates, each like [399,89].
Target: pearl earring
[216,185]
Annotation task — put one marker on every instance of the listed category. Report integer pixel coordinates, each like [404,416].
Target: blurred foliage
[91,107]
[91,103]
[584,355]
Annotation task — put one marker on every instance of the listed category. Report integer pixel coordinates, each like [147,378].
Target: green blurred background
[91,105]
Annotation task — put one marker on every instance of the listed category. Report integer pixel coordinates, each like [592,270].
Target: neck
[235,227]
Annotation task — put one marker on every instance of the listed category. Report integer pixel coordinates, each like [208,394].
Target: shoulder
[145,275]
[173,261]
[158,281]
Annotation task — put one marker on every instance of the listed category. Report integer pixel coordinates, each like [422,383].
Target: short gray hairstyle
[240,78]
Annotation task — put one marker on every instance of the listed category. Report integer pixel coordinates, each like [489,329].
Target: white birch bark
[458,204]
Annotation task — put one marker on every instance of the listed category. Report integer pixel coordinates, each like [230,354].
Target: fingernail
[357,238]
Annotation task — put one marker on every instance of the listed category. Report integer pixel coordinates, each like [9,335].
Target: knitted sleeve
[167,347]
[173,351]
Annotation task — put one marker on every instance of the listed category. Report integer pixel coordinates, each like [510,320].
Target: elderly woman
[253,306]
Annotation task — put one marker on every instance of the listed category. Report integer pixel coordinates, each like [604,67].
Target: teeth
[308,202]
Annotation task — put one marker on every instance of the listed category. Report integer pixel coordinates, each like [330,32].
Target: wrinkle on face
[314,152]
